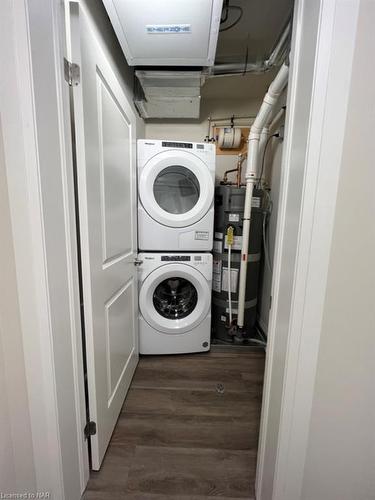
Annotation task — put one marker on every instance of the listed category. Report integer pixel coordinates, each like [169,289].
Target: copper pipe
[241,158]
[225,178]
[238,169]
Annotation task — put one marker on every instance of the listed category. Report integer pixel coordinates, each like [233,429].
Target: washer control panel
[151,261]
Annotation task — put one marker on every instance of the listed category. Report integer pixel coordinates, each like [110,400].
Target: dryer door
[175,298]
[176,188]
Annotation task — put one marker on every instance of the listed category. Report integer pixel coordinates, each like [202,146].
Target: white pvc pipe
[262,144]
[230,284]
[276,118]
[262,119]
[266,130]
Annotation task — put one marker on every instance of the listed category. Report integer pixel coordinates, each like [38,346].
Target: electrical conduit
[262,120]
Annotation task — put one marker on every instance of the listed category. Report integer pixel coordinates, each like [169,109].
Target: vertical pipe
[230,284]
[229,240]
[262,120]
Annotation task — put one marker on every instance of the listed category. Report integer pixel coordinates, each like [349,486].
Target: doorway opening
[171,190]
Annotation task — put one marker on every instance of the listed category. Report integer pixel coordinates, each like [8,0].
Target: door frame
[41,197]
[38,161]
[315,129]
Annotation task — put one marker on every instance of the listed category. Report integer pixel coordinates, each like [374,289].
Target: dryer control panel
[175,258]
[183,145]
[147,149]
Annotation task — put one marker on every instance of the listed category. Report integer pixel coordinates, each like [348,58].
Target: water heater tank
[229,207]
[166,32]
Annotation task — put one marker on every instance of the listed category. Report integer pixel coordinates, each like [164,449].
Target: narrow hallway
[188,429]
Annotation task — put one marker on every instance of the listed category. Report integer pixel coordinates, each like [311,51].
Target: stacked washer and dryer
[176,184]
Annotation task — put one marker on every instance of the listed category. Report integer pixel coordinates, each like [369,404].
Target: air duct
[168,94]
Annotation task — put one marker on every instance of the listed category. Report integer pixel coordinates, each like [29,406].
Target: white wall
[272,176]
[197,130]
[340,461]
[16,462]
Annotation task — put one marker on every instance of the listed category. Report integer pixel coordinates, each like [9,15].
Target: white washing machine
[176,183]
[174,302]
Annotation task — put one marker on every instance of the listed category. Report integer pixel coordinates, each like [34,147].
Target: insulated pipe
[278,52]
[262,120]
[280,47]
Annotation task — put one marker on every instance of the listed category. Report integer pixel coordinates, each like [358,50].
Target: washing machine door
[175,298]
[176,188]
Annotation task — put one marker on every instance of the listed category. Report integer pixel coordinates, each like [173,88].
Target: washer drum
[229,205]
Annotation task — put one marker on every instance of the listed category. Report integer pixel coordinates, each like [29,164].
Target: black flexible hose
[232,25]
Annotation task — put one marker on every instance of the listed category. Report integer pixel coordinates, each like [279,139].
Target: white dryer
[174,302]
[176,182]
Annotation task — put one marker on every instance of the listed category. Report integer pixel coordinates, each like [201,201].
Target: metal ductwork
[175,93]
[276,58]
[168,94]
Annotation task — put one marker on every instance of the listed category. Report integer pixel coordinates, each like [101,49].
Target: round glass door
[176,189]
[175,298]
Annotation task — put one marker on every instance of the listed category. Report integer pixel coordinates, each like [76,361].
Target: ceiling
[255,35]
[248,41]
[252,39]
[237,87]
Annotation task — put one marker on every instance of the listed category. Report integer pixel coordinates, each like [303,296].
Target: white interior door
[106,174]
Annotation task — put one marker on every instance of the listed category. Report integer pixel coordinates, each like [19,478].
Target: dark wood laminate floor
[178,437]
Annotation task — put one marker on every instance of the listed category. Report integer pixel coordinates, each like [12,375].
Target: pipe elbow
[279,83]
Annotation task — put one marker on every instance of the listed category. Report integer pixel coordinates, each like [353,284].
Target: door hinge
[90,429]
[72,73]
[137,262]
